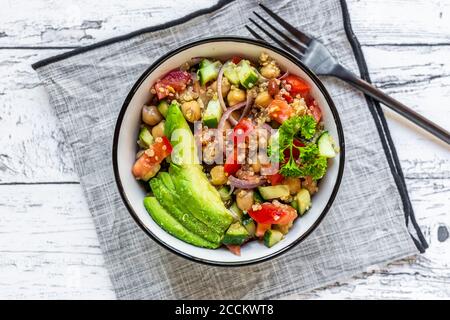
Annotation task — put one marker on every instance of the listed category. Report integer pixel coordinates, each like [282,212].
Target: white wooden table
[48,244]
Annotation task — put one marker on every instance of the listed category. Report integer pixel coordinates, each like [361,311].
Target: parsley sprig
[310,162]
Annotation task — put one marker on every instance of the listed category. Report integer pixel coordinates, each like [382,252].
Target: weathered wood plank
[401,22]
[34,148]
[83,22]
[420,78]
[76,23]
[425,277]
[50,248]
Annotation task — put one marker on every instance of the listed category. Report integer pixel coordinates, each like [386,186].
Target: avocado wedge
[192,188]
[200,197]
[181,137]
[164,190]
[172,226]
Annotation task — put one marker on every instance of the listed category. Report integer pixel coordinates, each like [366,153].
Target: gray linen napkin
[368,223]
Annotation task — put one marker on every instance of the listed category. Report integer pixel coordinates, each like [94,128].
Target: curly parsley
[310,163]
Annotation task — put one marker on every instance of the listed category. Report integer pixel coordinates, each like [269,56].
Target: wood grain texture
[48,244]
[73,23]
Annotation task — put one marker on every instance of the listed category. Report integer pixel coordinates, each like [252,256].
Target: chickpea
[293,184]
[235,96]
[270,71]
[191,110]
[226,86]
[158,130]
[263,99]
[218,176]
[256,167]
[151,115]
[244,199]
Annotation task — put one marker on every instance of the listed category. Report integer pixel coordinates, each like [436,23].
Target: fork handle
[342,73]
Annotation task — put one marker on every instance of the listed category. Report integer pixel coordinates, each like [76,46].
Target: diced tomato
[162,90]
[177,79]
[174,81]
[309,99]
[152,157]
[273,87]
[280,110]
[261,229]
[297,85]
[231,165]
[241,129]
[236,249]
[236,59]
[275,179]
[316,112]
[273,213]
[288,98]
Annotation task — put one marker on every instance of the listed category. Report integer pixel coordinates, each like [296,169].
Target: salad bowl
[127,129]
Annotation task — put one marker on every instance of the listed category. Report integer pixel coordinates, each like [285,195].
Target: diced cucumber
[249,224]
[326,145]
[303,199]
[163,107]
[145,137]
[283,228]
[236,211]
[225,193]
[230,72]
[236,234]
[272,237]
[257,197]
[213,113]
[248,75]
[294,204]
[208,71]
[274,192]
[204,63]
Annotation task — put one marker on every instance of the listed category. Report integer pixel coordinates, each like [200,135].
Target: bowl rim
[262,44]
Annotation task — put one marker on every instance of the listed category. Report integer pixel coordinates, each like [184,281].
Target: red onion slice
[196,60]
[221,124]
[219,93]
[248,105]
[244,184]
[284,75]
[227,114]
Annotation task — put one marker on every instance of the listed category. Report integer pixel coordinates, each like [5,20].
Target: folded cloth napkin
[371,220]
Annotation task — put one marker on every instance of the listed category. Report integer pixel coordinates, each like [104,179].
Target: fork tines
[300,45]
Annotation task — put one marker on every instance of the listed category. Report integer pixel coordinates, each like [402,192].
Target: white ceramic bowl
[126,132]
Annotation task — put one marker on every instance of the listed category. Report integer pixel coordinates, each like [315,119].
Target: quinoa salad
[231,151]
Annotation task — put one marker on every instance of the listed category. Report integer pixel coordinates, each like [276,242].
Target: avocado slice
[181,137]
[164,190]
[172,226]
[199,197]
[192,187]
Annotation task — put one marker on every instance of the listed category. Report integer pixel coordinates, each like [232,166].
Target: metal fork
[317,57]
